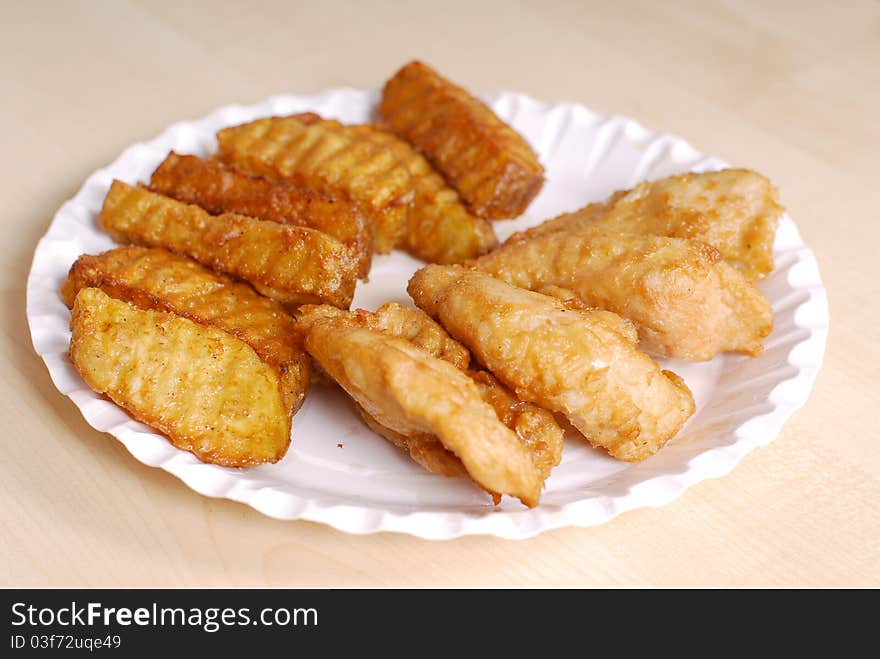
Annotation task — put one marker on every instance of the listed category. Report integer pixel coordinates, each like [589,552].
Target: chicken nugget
[685,301]
[221,189]
[735,211]
[293,265]
[208,392]
[156,279]
[439,229]
[493,168]
[412,393]
[578,363]
[305,150]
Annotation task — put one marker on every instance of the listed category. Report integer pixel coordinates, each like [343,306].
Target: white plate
[366,484]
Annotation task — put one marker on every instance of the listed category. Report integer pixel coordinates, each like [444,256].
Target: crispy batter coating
[424,448]
[322,155]
[422,331]
[412,393]
[222,189]
[493,168]
[734,210]
[208,392]
[162,281]
[439,229]
[293,265]
[392,318]
[535,427]
[584,365]
[685,301]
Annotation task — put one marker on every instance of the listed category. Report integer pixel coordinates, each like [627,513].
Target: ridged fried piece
[394,319]
[734,210]
[439,229]
[208,392]
[162,281]
[584,365]
[221,189]
[685,301]
[293,265]
[412,393]
[321,155]
[493,168]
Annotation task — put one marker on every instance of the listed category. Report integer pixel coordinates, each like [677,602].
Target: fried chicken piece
[536,428]
[424,448]
[584,365]
[396,320]
[734,210]
[208,392]
[686,302]
[307,151]
[439,229]
[493,168]
[293,265]
[414,394]
[162,281]
[221,189]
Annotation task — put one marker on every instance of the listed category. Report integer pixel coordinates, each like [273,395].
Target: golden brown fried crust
[439,229]
[493,168]
[221,189]
[293,265]
[321,155]
[425,449]
[734,210]
[580,364]
[421,330]
[536,427]
[162,281]
[396,320]
[208,392]
[415,326]
[412,393]
[685,301]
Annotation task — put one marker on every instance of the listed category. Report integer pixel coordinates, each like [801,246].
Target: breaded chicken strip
[208,392]
[293,265]
[535,427]
[584,365]
[685,301]
[734,210]
[439,229]
[414,394]
[424,448]
[159,280]
[398,321]
[307,151]
[493,168]
[221,189]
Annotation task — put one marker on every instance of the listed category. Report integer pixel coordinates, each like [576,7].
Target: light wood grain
[789,88]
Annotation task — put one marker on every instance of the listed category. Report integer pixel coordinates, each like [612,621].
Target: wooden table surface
[791,89]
